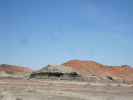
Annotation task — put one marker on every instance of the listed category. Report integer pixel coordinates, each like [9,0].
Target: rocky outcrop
[57,72]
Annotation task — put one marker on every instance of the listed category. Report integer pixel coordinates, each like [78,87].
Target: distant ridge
[14,69]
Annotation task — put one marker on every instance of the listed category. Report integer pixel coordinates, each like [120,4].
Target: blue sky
[35,33]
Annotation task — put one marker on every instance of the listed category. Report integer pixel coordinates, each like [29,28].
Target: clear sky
[35,33]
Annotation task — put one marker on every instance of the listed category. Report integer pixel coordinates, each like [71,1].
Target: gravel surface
[34,89]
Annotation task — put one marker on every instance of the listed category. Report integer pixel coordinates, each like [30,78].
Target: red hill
[14,69]
[91,68]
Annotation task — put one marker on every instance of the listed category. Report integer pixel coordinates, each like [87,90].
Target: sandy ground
[22,89]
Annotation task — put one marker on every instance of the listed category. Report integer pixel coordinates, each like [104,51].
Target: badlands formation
[86,71]
[72,80]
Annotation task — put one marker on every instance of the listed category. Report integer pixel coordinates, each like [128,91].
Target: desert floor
[22,89]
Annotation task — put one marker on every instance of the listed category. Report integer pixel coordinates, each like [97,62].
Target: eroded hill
[97,71]
[13,71]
